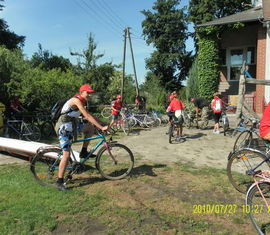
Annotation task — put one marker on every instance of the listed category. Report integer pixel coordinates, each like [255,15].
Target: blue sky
[64,25]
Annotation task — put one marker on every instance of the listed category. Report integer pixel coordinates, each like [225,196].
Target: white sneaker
[217,132]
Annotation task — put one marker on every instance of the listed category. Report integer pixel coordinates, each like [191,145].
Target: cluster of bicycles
[130,118]
[248,170]
[30,127]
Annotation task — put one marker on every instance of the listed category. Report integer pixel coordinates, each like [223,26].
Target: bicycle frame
[264,177]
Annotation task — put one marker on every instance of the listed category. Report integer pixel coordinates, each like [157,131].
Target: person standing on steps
[66,127]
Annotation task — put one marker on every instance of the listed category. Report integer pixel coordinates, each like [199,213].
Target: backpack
[217,106]
[57,108]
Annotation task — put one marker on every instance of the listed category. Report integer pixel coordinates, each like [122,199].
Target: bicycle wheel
[243,140]
[125,126]
[31,132]
[239,163]
[116,162]
[106,112]
[258,209]
[44,166]
[47,129]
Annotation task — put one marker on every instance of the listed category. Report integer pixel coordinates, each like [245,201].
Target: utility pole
[133,62]
[127,34]
[124,63]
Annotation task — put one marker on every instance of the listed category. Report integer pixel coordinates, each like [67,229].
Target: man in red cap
[66,127]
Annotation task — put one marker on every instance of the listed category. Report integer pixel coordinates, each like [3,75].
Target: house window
[236,58]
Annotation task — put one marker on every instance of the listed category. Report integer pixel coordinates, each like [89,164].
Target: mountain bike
[249,138]
[174,124]
[113,161]
[258,201]
[19,129]
[121,124]
[242,163]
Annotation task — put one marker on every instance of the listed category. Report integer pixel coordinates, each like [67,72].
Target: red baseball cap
[86,87]
[118,97]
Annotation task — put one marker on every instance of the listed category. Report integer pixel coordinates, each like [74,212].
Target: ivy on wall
[208,61]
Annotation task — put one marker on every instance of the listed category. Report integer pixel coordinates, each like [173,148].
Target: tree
[47,61]
[12,65]
[166,29]
[7,38]
[193,80]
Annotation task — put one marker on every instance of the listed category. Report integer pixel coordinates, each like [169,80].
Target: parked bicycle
[250,138]
[258,201]
[113,161]
[106,112]
[18,129]
[242,163]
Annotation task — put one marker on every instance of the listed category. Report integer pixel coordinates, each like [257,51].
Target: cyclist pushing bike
[117,105]
[66,127]
[174,107]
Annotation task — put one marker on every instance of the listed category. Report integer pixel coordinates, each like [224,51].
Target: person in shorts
[265,124]
[216,105]
[174,106]
[66,127]
[117,105]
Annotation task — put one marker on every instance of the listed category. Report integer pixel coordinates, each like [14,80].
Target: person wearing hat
[67,127]
[117,105]
[174,109]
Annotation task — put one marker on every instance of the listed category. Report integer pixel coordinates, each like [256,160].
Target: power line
[97,16]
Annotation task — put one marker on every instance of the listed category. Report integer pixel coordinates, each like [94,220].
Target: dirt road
[201,147]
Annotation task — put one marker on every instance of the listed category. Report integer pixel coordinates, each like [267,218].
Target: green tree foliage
[166,29]
[8,38]
[47,61]
[40,89]
[115,88]
[193,81]
[155,93]
[12,65]
[207,10]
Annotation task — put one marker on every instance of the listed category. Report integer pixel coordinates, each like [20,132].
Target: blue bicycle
[113,161]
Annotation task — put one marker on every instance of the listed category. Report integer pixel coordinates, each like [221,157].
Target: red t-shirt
[265,122]
[118,106]
[176,105]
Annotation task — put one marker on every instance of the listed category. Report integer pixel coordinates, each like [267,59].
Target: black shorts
[217,117]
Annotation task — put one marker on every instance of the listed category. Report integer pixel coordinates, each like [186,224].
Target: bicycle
[240,165]
[174,124]
[258,201]
[121,124]
[224,122]
[106,112]
[19,129]
[249,138]
[113,161]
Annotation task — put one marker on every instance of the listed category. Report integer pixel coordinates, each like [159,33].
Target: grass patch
[156,199]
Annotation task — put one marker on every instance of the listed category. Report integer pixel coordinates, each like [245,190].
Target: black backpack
[56,109]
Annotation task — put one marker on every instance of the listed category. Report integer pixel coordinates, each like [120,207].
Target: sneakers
[183,136]
[60,186]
